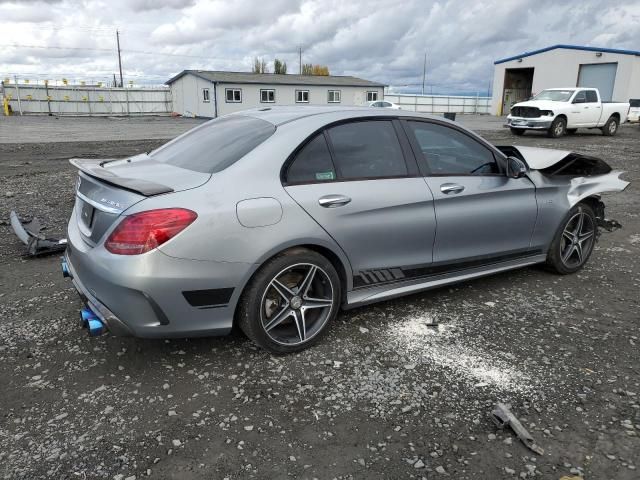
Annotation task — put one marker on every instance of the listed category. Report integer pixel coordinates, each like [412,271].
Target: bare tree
[259,66]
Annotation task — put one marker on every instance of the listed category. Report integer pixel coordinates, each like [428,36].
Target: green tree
[279,67]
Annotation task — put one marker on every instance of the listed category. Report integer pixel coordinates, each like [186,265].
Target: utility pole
[424,71]
[119,57]
[300,57]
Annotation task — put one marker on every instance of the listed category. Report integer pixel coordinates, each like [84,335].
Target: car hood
[582,174]
[537,158]
[541,104]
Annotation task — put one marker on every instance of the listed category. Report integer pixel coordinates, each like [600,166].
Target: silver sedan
[277,218]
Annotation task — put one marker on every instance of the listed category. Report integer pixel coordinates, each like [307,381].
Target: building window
[267,96]
[205,95]
[234,95]
[372,96]
[302,96]
[333,96]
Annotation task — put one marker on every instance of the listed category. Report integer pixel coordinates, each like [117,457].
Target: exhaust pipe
[95,327]
[85,315]
[91,322]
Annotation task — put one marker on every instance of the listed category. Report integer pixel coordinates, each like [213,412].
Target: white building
[616,73]
[211,94]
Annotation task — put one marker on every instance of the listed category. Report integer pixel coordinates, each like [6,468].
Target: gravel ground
[385,395]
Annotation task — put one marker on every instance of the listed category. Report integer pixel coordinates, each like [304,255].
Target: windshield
[554,95]
[215,145]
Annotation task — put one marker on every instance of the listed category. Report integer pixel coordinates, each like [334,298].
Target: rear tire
[518,131]
[558,128]
[290,301]
[611,127]
[574,241]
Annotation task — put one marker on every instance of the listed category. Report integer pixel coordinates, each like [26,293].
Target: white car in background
[564,110]
[385,104]
[634,111]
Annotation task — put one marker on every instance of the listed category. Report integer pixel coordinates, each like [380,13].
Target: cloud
[383,40]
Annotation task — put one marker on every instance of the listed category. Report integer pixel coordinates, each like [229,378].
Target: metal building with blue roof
[615,72]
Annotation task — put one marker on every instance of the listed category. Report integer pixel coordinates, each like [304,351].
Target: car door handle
[333,201]
[449,188]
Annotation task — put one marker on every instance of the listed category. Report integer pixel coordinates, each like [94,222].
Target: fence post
[476,109]
[15,79]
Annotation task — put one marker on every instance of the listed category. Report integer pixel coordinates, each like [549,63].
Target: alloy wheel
[613,126]
[559,129]
[577,239]
[297,304]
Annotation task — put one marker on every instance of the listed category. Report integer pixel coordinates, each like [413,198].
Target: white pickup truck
[564,110]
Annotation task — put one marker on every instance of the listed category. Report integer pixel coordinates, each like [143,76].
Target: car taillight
[144,231]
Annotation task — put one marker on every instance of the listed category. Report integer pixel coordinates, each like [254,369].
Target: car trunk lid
[107,188]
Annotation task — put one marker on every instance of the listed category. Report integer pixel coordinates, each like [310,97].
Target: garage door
[599,75]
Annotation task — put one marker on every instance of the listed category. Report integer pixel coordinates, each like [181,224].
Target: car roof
[281,115]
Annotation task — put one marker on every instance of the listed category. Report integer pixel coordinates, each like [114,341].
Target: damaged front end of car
[570,178]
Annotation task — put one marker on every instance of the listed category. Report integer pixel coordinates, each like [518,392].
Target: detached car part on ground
[277,218]
[560,111]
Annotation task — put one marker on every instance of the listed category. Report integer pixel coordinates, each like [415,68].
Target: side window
[267,96]
[368,149]
[312,164]
[205,95]
[580,97]
[302,96]
[450,152]
[591,96]
[372,96]
[233,95]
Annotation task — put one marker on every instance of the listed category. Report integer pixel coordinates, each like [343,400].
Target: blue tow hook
[66,273]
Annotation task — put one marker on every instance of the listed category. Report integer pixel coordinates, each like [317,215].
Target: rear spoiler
[94,168]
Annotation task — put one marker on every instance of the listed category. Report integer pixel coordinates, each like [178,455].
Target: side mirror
[580,100]
[516,168]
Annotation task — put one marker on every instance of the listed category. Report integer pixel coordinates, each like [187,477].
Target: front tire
[558,128]
[611,127]
[573,244]
[518,131]
[290,301]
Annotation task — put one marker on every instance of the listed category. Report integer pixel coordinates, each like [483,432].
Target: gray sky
[382,40]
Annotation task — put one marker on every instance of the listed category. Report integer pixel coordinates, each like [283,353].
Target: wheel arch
[337,258]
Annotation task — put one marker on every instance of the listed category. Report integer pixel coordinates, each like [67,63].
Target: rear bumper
[152,295]
[116,326]
[528,123]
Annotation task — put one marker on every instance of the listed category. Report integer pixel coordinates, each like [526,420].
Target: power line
[95,49]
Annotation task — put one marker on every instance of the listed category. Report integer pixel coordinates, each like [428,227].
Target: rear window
[214,146]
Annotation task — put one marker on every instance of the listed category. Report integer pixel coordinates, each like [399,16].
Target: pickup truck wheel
[571,131]
[518,131]
[558,128]
[610,128]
